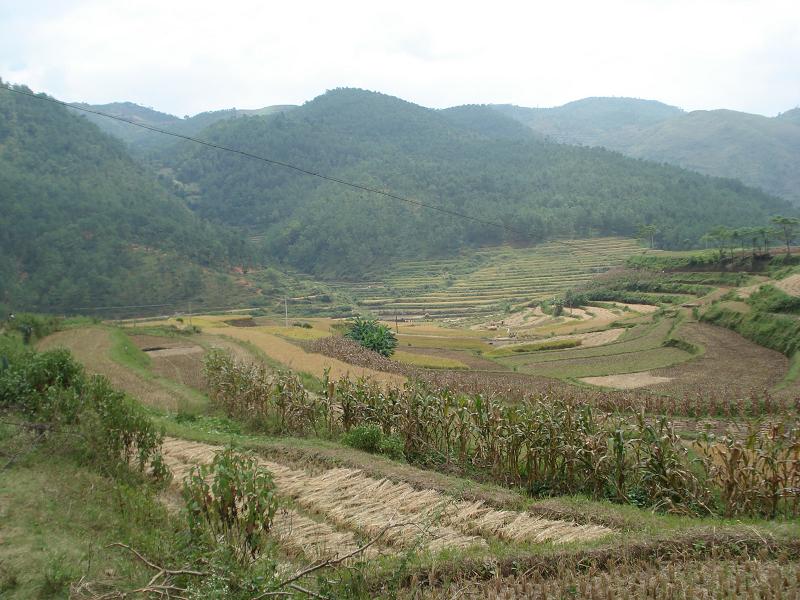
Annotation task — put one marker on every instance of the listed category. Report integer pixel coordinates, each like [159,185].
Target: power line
[271,161]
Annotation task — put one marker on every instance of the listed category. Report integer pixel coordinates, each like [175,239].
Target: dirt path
[92,347]
[350,500]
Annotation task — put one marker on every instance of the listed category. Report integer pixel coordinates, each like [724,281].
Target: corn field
[727,403]
[547,445]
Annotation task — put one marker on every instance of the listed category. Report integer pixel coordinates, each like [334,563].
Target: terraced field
[486,280]
[638,349]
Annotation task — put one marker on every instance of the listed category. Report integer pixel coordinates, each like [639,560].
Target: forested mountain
[141,140]
[83,225]
[451,159]
[759,151]
[589,121]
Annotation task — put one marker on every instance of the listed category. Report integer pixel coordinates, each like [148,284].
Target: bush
[768,298]
[232,501]
[372,335]
[370,438]
[103,425]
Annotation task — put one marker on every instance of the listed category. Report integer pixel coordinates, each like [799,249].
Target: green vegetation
[82,225]
[768,298]
[370,438]
[382,141]
[534,347]
[231,501]
[372,335]
[757,150]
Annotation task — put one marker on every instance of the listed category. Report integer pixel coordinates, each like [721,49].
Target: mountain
[455,160]
[759,151]
[141,140]
[589,121]
[83,225]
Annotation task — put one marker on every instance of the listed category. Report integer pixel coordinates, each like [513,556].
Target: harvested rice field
[350,501]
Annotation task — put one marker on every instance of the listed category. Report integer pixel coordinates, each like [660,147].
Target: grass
[427,361]
[59,517]
[534,347]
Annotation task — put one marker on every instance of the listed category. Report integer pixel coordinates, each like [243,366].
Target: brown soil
[790,285]
[730,363]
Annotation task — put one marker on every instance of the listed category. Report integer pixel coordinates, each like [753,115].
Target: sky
[185,57]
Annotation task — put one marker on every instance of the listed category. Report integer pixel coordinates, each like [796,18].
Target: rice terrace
[347,346]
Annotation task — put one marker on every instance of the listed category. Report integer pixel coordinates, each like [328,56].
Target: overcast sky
[185,57]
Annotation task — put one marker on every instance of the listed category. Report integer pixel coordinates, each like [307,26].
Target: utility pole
[286,311]
[396,326]
[190,314]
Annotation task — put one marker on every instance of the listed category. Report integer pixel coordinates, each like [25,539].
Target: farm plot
[638,349]
[730,364]
[478,284]
[178,360]
[297,359]
[353,504]
[92,346]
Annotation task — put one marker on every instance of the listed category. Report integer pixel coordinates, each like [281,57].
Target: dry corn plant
[758,474]
[548,445]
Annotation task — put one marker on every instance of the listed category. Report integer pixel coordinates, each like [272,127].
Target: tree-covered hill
[450,159]
[141,141]
[83,225]
[759,151]
[589,121]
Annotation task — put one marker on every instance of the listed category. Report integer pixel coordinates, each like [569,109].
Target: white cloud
[187,56]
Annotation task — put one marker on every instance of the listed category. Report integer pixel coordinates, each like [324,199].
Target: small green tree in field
[372,335]
[786,229]
[232,501]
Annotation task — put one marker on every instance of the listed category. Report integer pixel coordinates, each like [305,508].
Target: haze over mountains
[760,151]
[86,219]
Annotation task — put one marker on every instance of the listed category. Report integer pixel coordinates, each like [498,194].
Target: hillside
[83,225]
[443,158]
[589,121]
[759,151]
[141,140]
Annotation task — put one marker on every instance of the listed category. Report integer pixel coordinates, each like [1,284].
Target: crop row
[547,445]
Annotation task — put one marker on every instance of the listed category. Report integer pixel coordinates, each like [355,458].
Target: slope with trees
[82,224]
[536,188]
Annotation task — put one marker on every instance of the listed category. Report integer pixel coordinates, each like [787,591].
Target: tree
[647,232]
[786,229]
[372,335]
[765,233]
[719,237]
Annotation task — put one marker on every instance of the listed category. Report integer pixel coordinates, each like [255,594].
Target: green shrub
[370,438]
[768,298]
[372,335]
[231,501]
[103,425]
